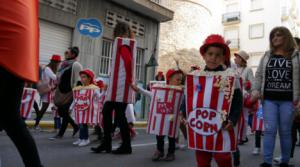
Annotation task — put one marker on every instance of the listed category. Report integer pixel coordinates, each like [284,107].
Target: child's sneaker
[78,141]
[84,143]
[256,151]
[292,162]
[277,160]
[170,157]
[116,136]
[37,128]
[157,156]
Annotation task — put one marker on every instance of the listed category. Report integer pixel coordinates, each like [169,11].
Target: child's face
[176,79]
[85,80]
[213,57]
[238,60]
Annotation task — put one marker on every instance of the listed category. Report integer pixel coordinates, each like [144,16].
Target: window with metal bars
[139,63]
[105,59]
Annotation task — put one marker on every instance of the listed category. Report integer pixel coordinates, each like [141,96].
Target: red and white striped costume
[209,94]
[27,102]
[156,82]
[258,121]
[164,110]
[86,104]
[122,71]
[99,111]
[241,128]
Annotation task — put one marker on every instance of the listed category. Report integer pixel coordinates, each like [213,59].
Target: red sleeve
[127,58]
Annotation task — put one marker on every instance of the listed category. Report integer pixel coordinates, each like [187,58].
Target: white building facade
[247,23]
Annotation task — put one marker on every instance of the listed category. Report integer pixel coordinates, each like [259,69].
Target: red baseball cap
[216,39]
[56,58]
[171,72]
[160,73]
[89,73]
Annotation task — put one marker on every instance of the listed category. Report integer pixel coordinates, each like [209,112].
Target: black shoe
[123,150]
[170,157]
[265,165]
[55,137]
[101,148]
[75,130]
[157,156]
[283,165]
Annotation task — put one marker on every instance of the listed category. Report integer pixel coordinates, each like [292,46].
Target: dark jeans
[161,143]
[250,118]
[98,131]
[63,112]
[40,114]
[258,139]
[236,157]
[83,132]
[57,123]
[11,89]
[120,118]
[36,107]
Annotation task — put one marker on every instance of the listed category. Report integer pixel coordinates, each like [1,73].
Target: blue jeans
[57,122]
[278,115]
[83,132]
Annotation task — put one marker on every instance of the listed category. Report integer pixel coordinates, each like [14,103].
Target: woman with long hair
[121,30]
[277,84]
[49,77]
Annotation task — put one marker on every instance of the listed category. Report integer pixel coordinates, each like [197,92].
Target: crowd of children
[238,111]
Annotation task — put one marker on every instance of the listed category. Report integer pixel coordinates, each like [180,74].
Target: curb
[50,124]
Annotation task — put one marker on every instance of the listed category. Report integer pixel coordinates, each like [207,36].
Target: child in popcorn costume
[252,107]
[27,101]
[175,77]
[215,52]
[98,128]
[85,105]
[56,118]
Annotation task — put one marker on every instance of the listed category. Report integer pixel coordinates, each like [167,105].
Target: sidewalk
[48,123]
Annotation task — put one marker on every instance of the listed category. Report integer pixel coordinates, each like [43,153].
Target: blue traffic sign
[90,27]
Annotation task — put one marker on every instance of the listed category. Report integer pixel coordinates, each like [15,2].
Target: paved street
[61,153]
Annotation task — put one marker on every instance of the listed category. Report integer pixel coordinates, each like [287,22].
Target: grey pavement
[61,153]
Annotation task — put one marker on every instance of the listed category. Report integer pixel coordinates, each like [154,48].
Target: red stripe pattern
[164,110]
[122,71]
[206,98]
[99,111]
[86,106]
[27,102]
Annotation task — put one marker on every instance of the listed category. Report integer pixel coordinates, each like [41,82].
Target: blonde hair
[289,43]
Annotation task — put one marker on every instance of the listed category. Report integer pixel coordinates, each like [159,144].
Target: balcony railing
[230,18]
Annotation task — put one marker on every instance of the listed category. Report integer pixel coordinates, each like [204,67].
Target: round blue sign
[90,27]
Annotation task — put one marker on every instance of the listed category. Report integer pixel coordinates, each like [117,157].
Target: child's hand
[183,121]
[134,87]
[105,87]
[255,95]
[228,125]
